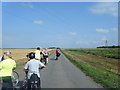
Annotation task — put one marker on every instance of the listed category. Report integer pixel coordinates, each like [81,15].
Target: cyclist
[57,53]
[6,67]
[32,67]
[37,53]
[41,54]
[45,56]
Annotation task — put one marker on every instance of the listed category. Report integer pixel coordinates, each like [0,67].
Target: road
[62,73]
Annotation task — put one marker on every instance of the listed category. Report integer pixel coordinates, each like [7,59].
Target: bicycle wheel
[15,78]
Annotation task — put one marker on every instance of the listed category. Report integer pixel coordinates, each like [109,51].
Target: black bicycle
[33,83]
[57,55]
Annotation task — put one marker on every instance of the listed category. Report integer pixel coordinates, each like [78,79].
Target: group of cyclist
[33,66]
[41,55]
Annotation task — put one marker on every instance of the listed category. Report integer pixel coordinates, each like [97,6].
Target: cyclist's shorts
[45,56]
[57,54]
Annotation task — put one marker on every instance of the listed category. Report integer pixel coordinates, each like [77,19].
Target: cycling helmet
[31,55]
[38,48]
[7,52]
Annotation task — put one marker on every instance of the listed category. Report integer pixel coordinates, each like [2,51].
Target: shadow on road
[52,59]
[21,84]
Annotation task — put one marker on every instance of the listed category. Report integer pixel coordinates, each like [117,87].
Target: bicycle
[15,78]
[57,55]
[45,59]
[33,82]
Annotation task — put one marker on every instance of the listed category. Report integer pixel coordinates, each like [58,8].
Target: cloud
[114,29]
[72,33]
[38,22]
[105,8]
[29,5]
[100,30]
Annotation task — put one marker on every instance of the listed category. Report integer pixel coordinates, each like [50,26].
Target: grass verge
[105,78]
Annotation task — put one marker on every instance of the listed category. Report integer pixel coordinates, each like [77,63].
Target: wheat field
[18,53]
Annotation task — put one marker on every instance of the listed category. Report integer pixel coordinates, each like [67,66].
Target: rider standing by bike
[32,67]
[6,67]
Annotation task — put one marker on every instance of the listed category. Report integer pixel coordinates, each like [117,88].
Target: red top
[57,51]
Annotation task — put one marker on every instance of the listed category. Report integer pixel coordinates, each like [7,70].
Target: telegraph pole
[106,43]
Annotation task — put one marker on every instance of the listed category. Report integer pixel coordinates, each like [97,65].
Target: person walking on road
[6,67]
[32,67]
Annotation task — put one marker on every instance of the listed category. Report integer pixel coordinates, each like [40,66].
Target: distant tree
[109,46]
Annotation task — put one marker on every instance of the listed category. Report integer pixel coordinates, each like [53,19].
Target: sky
[59,24]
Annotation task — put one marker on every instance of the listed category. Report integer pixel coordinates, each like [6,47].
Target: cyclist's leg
[7,82]
[47,59]
[39,83]
[28,84]
[41,60]
[56,56]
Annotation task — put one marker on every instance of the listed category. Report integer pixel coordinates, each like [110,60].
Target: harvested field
[19,55]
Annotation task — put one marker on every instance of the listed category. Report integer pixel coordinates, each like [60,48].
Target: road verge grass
[105,78]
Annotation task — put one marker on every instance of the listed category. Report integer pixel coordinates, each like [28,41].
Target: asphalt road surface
[62,73]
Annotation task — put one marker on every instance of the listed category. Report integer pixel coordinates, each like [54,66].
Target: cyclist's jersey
[6,67]
[37,54]
[57,51]
[46,52]
[33,67]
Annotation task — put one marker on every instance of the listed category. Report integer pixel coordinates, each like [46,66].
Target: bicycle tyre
[15,78]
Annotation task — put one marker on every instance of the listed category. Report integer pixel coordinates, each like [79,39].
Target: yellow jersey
[37,54]
[6,67]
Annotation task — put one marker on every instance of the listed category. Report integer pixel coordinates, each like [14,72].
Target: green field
[100,64]
[110,53]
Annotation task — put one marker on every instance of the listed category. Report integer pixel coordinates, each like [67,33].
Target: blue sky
[60,24]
